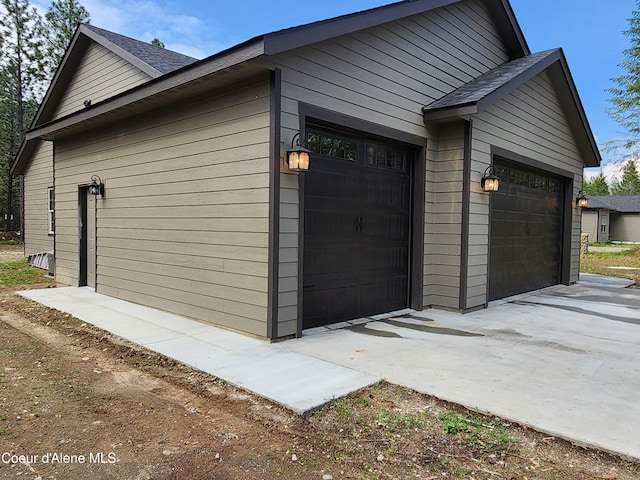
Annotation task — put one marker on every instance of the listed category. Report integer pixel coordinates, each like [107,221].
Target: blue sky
[589,31]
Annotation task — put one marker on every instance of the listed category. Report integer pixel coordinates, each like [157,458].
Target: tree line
[629,183]
[31,47]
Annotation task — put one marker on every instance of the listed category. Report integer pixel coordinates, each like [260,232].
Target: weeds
[19,272]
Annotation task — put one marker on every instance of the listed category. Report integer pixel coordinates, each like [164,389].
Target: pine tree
[22,66]
[598,186]
[630,183]
[626,94]
[62,20]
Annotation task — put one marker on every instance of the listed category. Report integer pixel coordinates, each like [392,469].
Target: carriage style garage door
[526,231]
[356,228]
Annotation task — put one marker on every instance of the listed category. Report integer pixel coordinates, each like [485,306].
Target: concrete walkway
[564,361]
[297,381]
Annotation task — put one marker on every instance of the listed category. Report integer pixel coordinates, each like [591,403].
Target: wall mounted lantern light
[297,155]
[581,200]
[490,182]
[96,187]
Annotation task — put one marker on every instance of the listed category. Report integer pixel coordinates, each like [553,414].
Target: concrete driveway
[565,361]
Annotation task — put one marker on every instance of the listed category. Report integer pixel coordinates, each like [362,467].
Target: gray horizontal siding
[528,122]
[183,225]
[385,75]
[443,214]
[101,74]
[590,224]
[624,227]
[38,177]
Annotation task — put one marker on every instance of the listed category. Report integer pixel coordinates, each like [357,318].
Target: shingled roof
[161,59]
[483,87]
[484,91]
[616,203]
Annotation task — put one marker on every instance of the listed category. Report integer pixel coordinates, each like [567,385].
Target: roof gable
[149,58]
[291,38]
[238,56]
[484,91]
[153,61]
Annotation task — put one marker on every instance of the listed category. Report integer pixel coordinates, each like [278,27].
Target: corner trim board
[466,199]
[274,204]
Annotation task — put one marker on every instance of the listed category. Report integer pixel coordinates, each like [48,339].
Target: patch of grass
[480,433]
[454,423]
[19,272]
[609,263]
[394,421]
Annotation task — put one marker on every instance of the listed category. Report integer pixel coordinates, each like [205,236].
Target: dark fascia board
[63,75]
[25,151]
[269,44]
[300,36]
[509,28]
[577,117]
[476,106]
[169,81]
[71,58]
[177,79]
[558,68]
[121,52]
[296,37]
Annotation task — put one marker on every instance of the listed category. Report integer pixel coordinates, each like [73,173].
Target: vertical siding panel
[184,223]
[38,177]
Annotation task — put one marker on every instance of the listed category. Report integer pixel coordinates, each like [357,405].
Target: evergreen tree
[62,20]
[22,66]
[597,187]
[156,41]
[630,183]
[626,94]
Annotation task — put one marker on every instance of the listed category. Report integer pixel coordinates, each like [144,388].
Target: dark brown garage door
[526,231]
[356,228]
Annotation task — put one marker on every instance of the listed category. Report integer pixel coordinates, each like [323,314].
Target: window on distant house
[50,210]
[604,222]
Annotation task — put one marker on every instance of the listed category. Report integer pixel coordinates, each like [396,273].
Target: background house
[404,108]
[612,218]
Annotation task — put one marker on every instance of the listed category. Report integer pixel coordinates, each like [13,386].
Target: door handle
[359,223]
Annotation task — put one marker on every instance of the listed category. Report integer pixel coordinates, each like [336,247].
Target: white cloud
[612,171]
[147,19]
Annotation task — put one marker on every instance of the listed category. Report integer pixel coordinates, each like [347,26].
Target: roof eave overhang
[178,80]
[121,52]
[289,39]
[443,114]
[296,37]
[557,66]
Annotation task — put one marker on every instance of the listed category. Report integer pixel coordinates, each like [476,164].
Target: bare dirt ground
[78,403]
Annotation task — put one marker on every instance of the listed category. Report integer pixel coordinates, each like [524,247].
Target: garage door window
[332,146]
[383,156]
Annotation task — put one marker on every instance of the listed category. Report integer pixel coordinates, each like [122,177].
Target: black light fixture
[96,187]
[490,181]
[581,200]
[297,155]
